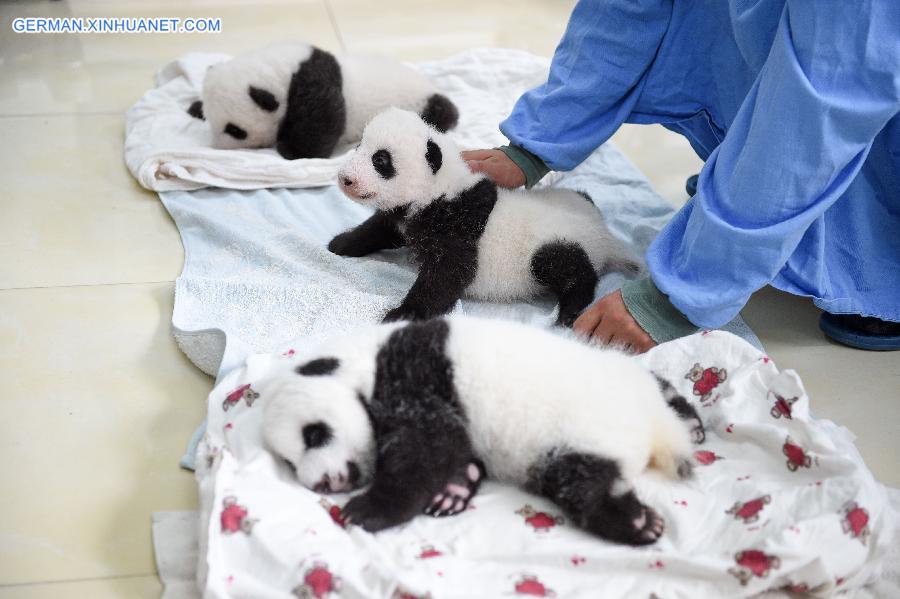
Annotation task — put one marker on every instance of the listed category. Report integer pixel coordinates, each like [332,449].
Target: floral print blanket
[779,501]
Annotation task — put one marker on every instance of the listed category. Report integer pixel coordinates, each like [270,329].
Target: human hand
[608,321]
[496,165]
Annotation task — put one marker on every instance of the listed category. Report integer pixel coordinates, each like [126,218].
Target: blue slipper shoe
[861,332]
[690,186]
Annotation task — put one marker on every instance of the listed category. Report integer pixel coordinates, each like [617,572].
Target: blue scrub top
[794,105]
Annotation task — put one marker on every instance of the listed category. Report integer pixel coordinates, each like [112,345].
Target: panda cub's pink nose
[349,185]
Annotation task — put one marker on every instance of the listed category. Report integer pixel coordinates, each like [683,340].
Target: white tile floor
[98,399]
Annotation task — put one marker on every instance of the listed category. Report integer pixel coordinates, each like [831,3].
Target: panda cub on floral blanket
[466,235]
[305,102]
[422,411]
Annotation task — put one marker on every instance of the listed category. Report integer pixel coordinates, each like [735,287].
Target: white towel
[166,149]
[175,545]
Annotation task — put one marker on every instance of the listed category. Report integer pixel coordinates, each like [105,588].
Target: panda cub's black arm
[419,426]
[413,465]
[378,232]
[442,280]
[444,239]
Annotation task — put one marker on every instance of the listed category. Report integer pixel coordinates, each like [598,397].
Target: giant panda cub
[305,102]
[421,411]
[466,235]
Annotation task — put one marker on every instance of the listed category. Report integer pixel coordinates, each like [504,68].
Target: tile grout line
[334,25]
[60,114]
[74,285]
[76,580]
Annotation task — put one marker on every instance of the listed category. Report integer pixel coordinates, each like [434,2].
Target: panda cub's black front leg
[378,232]
[398,492]
[427,297]
[441,282]
[423,445]
[413,477]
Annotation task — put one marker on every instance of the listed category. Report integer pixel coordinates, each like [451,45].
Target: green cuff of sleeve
[654,312]
[533,167]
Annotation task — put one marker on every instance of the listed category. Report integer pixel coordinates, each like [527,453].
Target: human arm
[596,78]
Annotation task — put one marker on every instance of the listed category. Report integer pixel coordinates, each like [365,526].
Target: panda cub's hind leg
[458,492]
[683,409]
[593,494]
[564,268]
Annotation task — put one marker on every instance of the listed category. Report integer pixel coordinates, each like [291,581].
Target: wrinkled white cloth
[175,542]
[779,500]
[167,149]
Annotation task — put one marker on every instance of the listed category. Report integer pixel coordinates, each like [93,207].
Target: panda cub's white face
[317,423]
[402,161]
[241,115]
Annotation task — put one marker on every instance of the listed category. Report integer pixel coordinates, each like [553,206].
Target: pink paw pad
[459,490]
[649,526]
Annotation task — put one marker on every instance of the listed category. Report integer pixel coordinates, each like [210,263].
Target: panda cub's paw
[698,433]
[401,313]
[368,514]
[346,244]
[459,491]
[623,519]
[648,527]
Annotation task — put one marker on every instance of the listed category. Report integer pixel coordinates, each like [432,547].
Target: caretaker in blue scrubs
[795,107]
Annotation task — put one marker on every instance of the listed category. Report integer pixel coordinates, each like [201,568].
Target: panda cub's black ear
[433,156]
[319,367]
[264,99]
[196,109]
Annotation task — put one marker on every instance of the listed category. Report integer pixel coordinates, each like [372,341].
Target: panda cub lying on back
[466,235]
[420,410]
[305,101]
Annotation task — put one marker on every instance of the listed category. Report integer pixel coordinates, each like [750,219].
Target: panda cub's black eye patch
[433,156]
[235,131]
[316,435]
[384,164]
[319,367]
[263,98]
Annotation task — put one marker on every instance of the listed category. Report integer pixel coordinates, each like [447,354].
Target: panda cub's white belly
[527,391]
[520,224]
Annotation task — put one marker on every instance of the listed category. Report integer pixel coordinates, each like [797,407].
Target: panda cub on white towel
[466,235]
[422,411]
[304,101]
